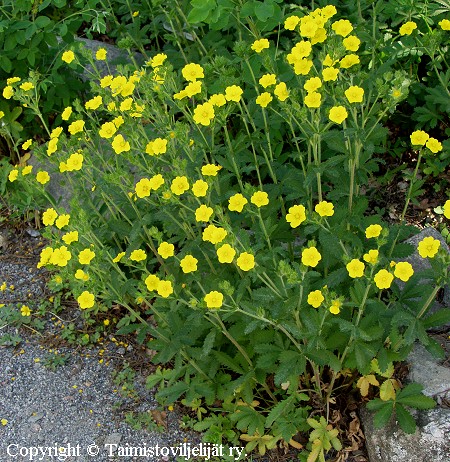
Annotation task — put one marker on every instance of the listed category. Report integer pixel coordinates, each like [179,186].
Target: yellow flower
[2,114]
[118,257]
[354,94]
[446,208]
[419,138]
[94,103]
[330,73]
[335,307]
[434,145]
[137,255]
[107,130]
[218,99]
[143,188]
[371,257]
[4,422]
[199,188]
[313,100]
[60,256]
[315,298]
[445,24]
[373,231]
[49,217]
[233,93]
[338,114]
[407,28]
[100,55]
[214,299]
[156,181]
[291,22]
[25,311]
[13,174]
[320,36]
[311,257]
[301,50]
[75,162]
[86,300]
[179,185]
[152,281]
[214,234]
[268,80]
[62,220]
[70,237]
[351,43]
[383,279]
[106,81]
[27,170]
[246,261]
[236,202]
[259,198]
[296,215]
[211,169]
[85,256]
[343,27]
[303,66]
[428,247]
[355,268]
[42,177]
[166,250]
[52,146]
[325,209]
[349,61]
[81,275]
[45,257]
[120,145]
[8,92]
[157,146]
[264,99]
[203,114]
[164,288]
[226,253]
[189,264]
[158,60]
[403,271]
[203,213]
[126,104]
[68,56]
[27,144]
[312,84]
[12,80]
[308,27]
[281,91]
[26,86]
[191,72]
[76,127]
[260,45]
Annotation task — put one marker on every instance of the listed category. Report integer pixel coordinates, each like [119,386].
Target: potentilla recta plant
[222,205]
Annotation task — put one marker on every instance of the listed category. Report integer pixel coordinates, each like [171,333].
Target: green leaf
[6,64]
[283,407]
[405,419]
[417,401]
[441,317]
[42,21]
[383,415]
[171,393]
[264,10]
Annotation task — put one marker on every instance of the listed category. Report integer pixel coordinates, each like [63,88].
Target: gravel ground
[76,406]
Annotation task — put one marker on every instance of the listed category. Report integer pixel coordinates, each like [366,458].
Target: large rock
[430,442]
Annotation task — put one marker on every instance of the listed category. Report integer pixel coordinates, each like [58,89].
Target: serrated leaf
[405,419]
[382,416]
[387,390]
[364,382]
[417,401]
[441,317]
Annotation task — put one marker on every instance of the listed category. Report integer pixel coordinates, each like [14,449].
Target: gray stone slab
[430,442]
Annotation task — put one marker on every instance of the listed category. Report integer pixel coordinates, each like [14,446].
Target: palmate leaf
[405,419]
[249,420]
